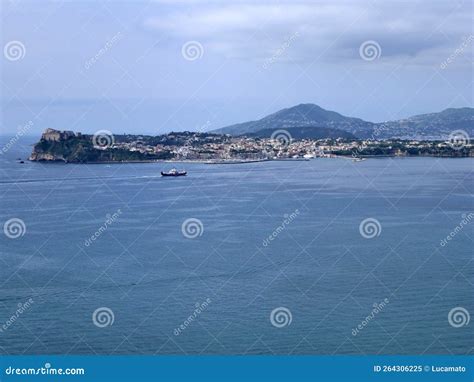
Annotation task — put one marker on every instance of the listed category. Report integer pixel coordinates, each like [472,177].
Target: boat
[174,172]
[358,159]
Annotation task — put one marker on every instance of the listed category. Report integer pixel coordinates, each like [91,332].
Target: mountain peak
[303,107]
[306,106]
[311,119]
[301,115]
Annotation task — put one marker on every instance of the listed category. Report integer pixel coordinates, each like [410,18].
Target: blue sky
[124,66]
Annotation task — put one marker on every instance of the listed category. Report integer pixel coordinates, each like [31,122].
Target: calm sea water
[318,266]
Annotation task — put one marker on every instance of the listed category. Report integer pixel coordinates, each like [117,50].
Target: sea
[326,256]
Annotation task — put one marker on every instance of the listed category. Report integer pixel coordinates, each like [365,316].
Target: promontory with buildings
[301,132]
[67,146]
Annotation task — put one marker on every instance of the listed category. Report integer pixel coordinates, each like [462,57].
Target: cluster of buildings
[225,147]
[202,146]
[53,135]
[216,147]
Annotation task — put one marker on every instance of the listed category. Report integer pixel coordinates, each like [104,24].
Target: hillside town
[68,146]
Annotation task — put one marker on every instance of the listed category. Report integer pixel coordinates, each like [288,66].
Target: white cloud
[243,29]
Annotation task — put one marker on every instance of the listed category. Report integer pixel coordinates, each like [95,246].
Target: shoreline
[156,161]
[211,162]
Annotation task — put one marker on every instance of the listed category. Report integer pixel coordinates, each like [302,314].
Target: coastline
[163,161]
[211,162]
[187,147]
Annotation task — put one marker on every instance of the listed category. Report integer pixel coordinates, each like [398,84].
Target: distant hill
[308,132]
[309,116]
[429,126]
[302,115]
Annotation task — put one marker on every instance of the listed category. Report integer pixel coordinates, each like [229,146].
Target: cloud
[332,30]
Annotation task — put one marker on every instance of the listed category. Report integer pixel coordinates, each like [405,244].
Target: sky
[158,66]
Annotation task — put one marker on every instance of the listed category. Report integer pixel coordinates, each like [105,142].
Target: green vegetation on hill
[433,126]
[80,149]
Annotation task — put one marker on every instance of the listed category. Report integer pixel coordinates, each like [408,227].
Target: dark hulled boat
[174,172]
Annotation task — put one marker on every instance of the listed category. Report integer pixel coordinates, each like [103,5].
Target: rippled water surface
[318,265]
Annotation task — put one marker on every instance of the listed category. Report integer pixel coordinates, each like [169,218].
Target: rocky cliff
[67,146]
